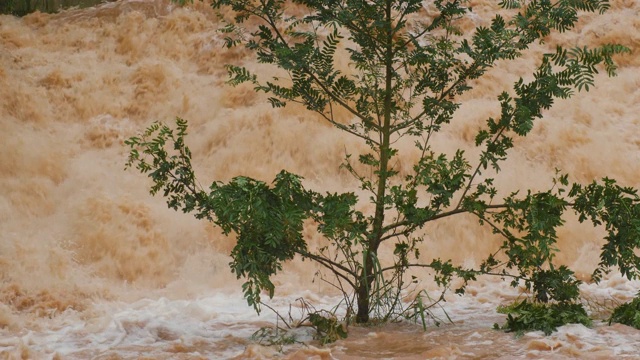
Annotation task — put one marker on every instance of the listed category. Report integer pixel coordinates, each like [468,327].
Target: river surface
[93,267]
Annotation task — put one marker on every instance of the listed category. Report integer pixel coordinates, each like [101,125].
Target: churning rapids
[93,267]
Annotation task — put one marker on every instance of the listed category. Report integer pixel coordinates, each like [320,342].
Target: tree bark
[363,292]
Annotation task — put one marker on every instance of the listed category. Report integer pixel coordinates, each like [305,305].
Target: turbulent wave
[91,262]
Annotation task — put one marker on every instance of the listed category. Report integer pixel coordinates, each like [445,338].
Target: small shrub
[273,336]
[531,316]
[627,314]
[327,326]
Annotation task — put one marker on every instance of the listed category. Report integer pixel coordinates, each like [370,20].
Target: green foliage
[618,209]
[627,314]
[404,77]
[277,337]
[558,284]
[328,328]
[420,310]
[530,316]
[8,7]
[266,220]
[268,224]
[24,7]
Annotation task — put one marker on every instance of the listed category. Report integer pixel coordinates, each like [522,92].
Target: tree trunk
[363,292]
[363,303]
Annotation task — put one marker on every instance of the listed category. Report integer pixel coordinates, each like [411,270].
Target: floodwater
[93,267]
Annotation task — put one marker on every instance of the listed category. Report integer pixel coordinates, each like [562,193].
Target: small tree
[405,74]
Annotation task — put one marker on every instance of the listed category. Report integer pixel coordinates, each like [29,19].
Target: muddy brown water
[94,267]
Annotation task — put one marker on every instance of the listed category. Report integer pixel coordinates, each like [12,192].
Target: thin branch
[478,272]
[346,128]
[444,94]
[271,22]
[477,170]
[439,216]
[277,314]
[352,26]
[476,64]
[329,264]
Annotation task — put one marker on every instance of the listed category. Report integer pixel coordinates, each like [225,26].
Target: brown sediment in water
[77,229]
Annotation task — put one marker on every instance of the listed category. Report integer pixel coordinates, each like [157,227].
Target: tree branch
[271,22]
[477,170]
[438,216]
[478,272]
[329,264]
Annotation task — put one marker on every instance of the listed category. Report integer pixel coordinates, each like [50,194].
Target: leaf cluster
[328,328]
[267,220]
[527,316]
[627,314]
[618,209]
[269,336]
